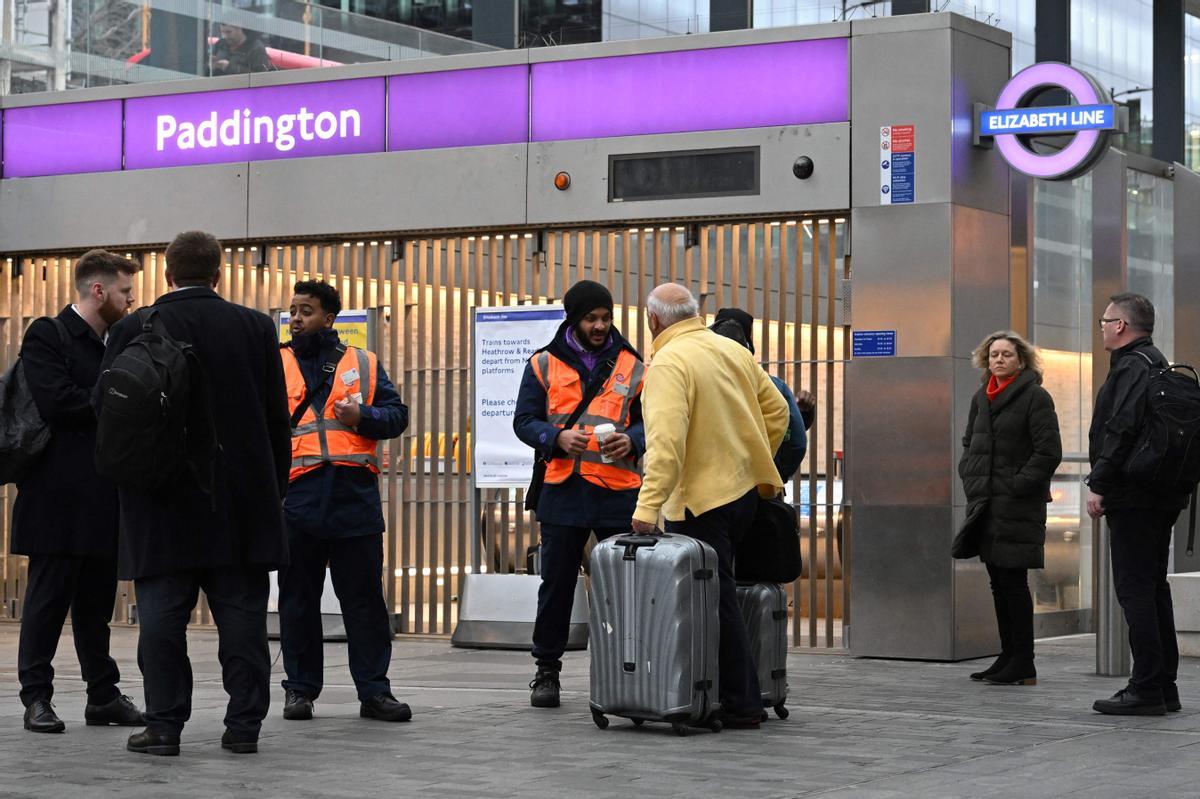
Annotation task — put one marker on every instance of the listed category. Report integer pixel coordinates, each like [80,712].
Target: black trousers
[561,555]
[1014,610]
[87,587]
[356,566]
[1140,541]
[237,597]
[721,528]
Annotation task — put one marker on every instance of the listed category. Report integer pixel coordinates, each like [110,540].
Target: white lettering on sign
[242,128]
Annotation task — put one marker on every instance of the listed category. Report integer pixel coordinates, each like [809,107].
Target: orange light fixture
[562,181]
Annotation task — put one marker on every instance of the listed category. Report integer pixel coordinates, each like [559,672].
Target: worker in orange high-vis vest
[590,487]
[341,403]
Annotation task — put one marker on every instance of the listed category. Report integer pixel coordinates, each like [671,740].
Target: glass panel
[1151,255]
[1061,328]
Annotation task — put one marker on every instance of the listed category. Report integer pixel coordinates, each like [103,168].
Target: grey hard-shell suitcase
[764,607]
[653,631]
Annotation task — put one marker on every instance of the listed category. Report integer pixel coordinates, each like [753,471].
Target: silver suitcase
[653,631]
[764,607]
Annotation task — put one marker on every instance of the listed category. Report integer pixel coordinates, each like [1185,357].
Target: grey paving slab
[859,728]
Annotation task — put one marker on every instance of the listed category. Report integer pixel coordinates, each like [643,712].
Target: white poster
[504,340]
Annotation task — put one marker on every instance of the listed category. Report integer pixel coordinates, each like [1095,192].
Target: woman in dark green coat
[1010,451]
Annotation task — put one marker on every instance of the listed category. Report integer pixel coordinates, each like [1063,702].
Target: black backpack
[155,416]
[24,435]
[1166,453]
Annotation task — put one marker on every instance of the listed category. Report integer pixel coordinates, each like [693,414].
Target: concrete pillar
[936,271]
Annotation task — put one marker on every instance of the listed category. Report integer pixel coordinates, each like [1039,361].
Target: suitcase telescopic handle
[633,543]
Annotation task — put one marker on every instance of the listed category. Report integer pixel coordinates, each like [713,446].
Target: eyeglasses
[1103,321]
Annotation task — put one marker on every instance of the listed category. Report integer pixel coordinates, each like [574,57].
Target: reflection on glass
[1151,209]
[1062,320]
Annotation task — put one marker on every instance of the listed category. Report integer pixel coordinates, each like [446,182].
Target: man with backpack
[65,515]
[342,404]
[1140,514]
[194,387]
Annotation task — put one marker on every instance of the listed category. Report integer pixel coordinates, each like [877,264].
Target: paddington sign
[721,88]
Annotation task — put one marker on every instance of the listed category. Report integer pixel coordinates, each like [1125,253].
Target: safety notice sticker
[897,152]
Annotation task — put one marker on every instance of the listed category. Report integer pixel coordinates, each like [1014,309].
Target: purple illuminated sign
[759,85]
[465,108]
[306,119]
[1085,148]
[62,139]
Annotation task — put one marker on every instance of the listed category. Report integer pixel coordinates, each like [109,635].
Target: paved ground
[859,728]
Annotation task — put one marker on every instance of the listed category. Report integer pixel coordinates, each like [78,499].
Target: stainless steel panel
[1187,305]
[926,22]
[899,434]
[902,592]
[902,79]
[477,187]
[979,177]
[122,208]
[980,276]
[967,380]
[975,633]
[902,275]
[780,191]
[128,90]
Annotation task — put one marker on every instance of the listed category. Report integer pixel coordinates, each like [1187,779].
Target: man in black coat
[176,541]
[1140,518]
[71,541]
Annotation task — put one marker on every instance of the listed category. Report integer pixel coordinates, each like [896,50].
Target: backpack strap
[1191,544]
[64,338]
[327,370]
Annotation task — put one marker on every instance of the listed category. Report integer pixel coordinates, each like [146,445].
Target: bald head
[669,304]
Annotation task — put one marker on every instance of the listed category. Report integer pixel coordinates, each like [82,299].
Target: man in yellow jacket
[713,421]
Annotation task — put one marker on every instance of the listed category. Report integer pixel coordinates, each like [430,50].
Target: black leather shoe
[149,742]
[121,711]
[1129,702]
[40,717]
[239,745]
[1171,698]
[385,708]
[1018,671]
[544,689]
[297,706]
[1000,663]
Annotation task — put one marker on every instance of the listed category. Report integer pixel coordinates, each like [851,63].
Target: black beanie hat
[585,297]
[742,318]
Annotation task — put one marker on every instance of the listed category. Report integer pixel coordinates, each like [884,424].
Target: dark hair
[1139,311]
[101,265]
[194,258]
[731,328]
[331,301]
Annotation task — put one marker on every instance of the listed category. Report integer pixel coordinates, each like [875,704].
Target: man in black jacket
[179,540]
[72,545]
[333,509]
[1139,517]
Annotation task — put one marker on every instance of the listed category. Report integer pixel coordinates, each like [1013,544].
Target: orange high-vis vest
[320,438]
[564,391]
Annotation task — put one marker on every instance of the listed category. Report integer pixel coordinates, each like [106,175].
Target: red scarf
[994,387]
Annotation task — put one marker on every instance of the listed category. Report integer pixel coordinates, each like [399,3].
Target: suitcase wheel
[679,729]
[600,719]
[638,722]
[781,711]
[715,725]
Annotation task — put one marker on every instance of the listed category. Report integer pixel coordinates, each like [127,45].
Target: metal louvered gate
[789,273]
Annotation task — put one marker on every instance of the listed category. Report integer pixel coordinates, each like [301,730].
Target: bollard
[1112,633]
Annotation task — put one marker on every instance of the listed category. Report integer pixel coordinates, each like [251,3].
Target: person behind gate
[714,420]
[341,403]
[589,486]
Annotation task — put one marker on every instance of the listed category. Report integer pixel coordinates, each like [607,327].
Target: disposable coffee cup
[602,432]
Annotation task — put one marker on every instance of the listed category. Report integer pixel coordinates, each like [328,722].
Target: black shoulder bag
[534,492]
[327,370]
